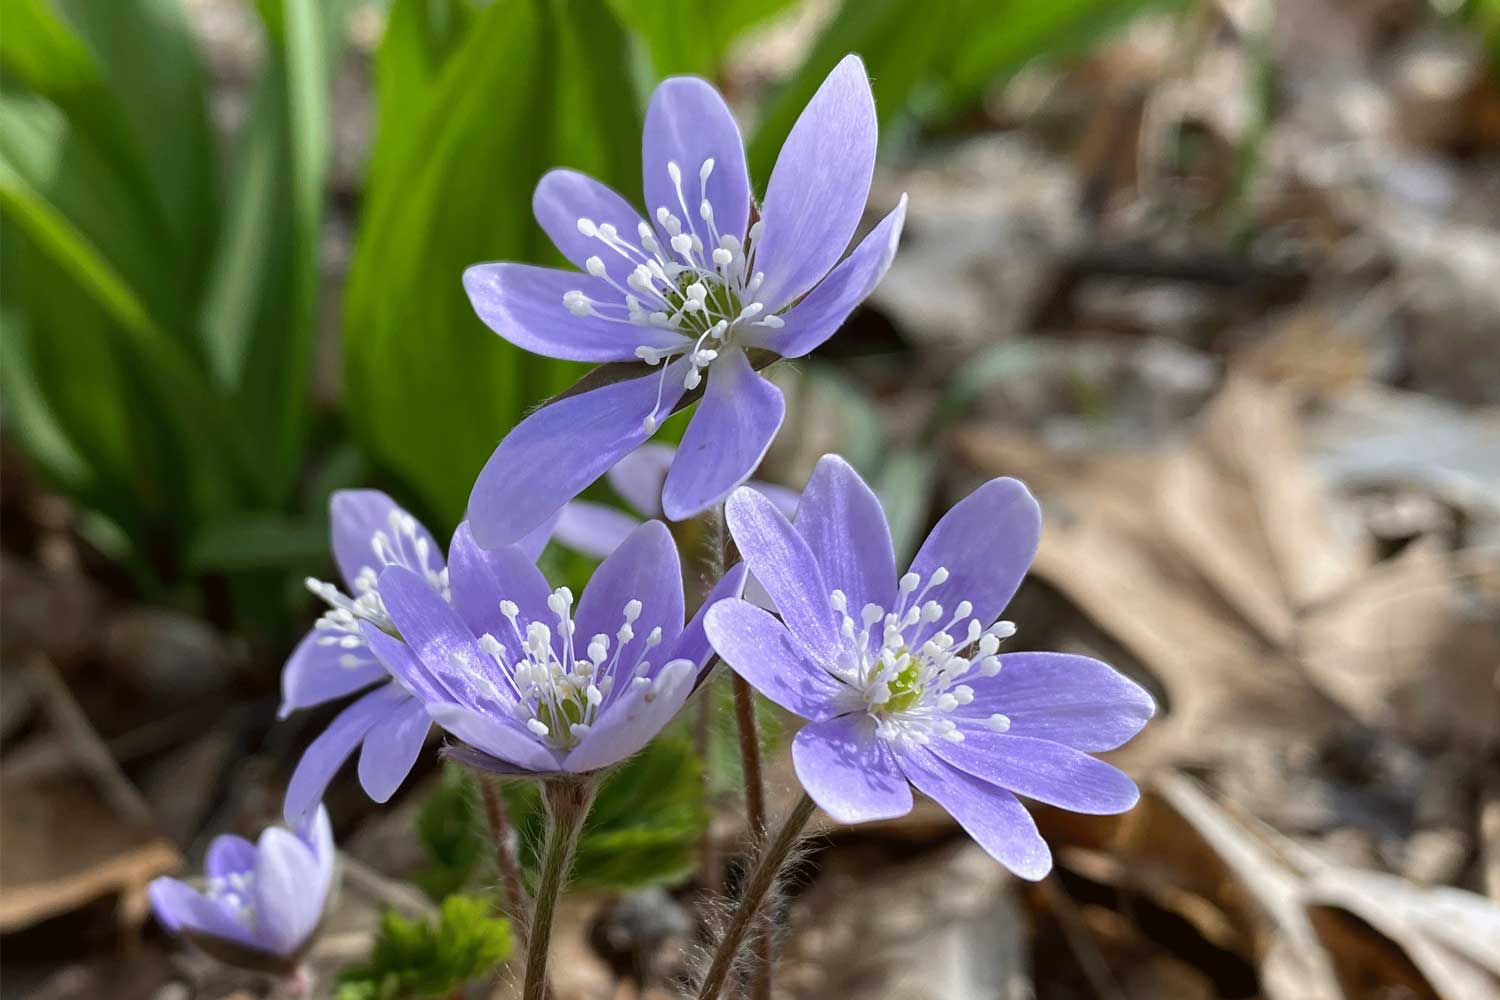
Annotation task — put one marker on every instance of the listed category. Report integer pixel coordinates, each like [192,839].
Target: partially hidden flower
[902,678]
[597,529]
[370,533]
[260,903]
[683,293]
[528,682]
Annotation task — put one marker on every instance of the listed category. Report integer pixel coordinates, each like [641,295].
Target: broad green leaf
[197,423]
[685,36]
[420,35]
[534,84]
[259,316]
[163,100]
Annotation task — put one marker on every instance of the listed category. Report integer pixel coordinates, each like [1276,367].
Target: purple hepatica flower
[370,534]
[597,529]
[262,901]
[687,289]
[902,679]
[528,684]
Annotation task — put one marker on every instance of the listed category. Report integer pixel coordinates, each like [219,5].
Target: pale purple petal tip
[1073,700]
[689,125]
[1042,770]
[631,720]
[358,517]
[554,454]
[785,566]
[819,185]
[319,671]
[640,475]
[992,816]
[525,305]
[845,527]
[849,771]
[760,649]
[593,528]
[819,315]
[391,749]
[287,907]
[729,435]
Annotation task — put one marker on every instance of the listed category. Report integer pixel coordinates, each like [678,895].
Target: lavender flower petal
[849,771]
[562,197]
[818,316]
[640,475]
[594,529]
[442,642]
[532,544]
[326,754]
[1072,700]
[846,530]
[524,304]
[1042,770]
[760,649]
[634,718]
[316,673]
[481,578]
[785,500]
[986,543]
[182,908]
[688,124]
[555,453]
[286,908]
[785,566]
[735,424]
[228,855]
[819,185]
[358,516]
[644,568]
[992,816]
[409,672]
[391,749]
[495,737]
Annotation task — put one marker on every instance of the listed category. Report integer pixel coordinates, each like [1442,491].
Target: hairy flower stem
[567,802]
[755,814]
[505,855]
[708,847]
[762,878]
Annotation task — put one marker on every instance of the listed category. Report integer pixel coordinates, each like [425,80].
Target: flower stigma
[686,277]
[906,670]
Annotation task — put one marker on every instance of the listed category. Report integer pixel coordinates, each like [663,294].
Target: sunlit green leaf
[534,84]
[686,36]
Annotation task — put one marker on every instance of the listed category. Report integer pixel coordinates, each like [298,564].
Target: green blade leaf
[534,84]
[259,315]
[685,36]
[202,425]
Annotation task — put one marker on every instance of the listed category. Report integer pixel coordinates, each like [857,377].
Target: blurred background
[1220,279]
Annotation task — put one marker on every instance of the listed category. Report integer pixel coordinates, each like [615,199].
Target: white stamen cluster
[558,690]
[910,688]
[399,544]
[236,893]
[686,276]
